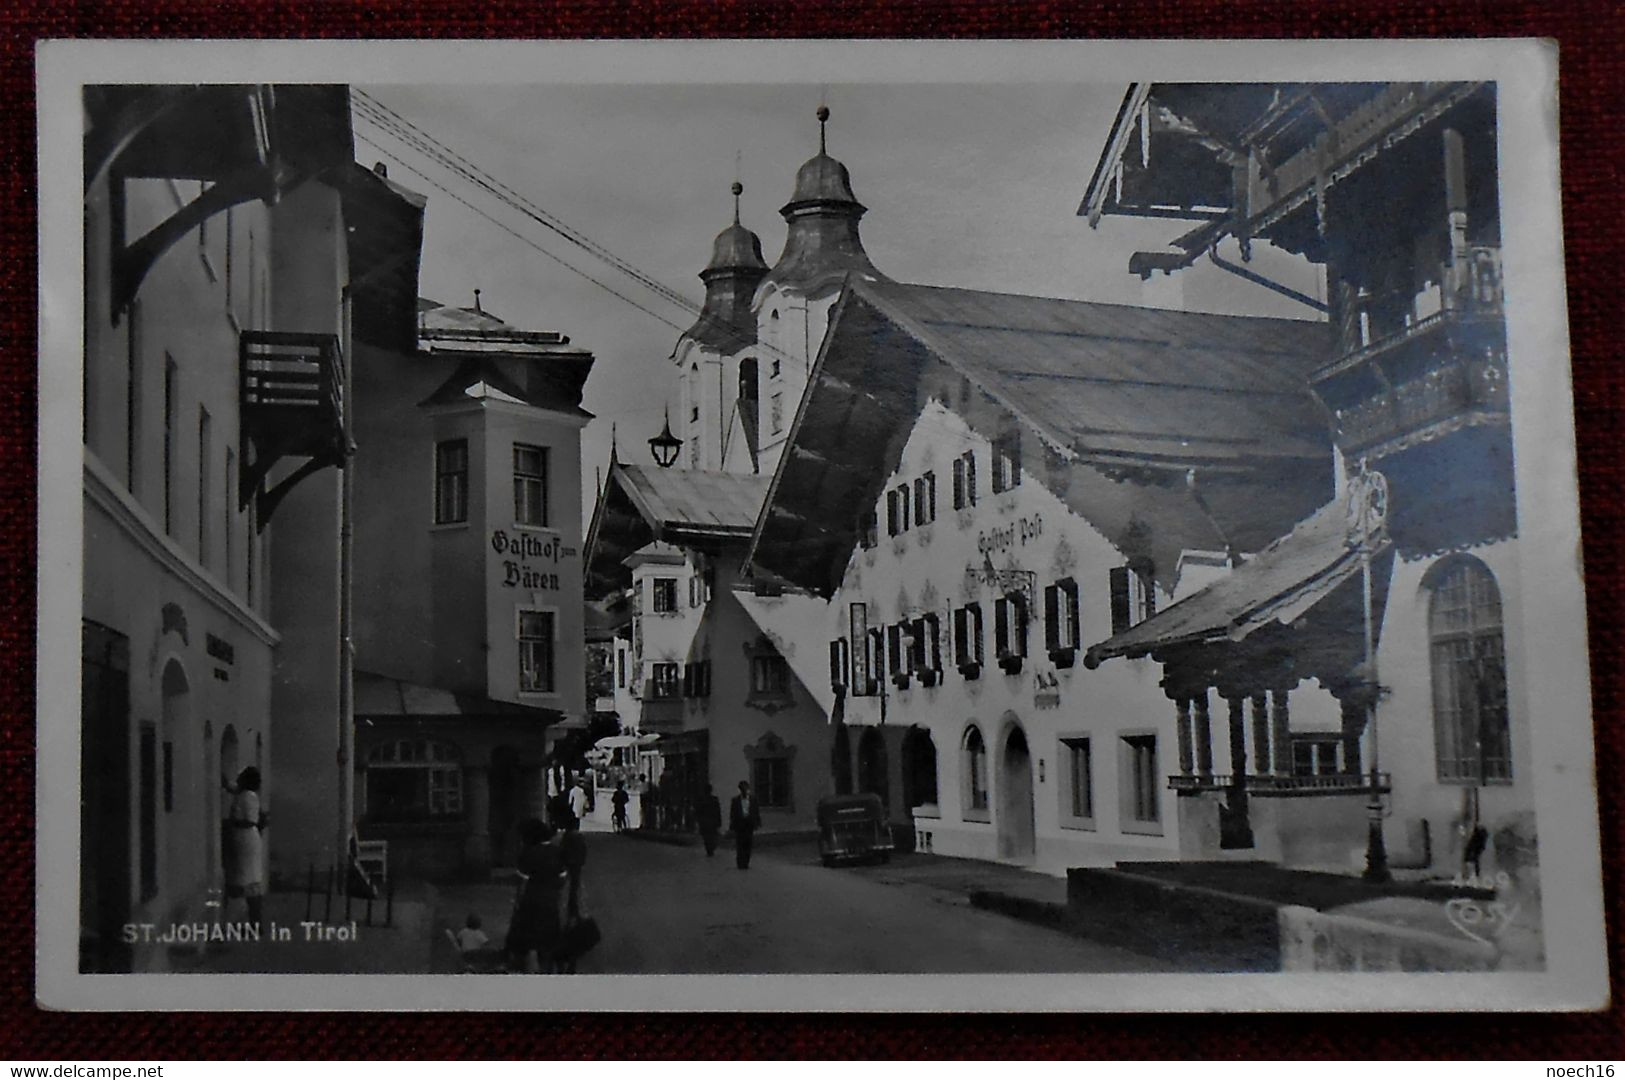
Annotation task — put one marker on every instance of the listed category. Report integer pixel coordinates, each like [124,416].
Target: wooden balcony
[1269,784]
[291,395]
[1416,367]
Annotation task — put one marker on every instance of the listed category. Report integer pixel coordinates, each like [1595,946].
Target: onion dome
[822,245]
[726,322]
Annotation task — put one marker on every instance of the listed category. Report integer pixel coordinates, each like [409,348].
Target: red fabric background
[1592,38]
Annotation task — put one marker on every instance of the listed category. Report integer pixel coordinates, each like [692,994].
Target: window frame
[1006,463]
[1063,621]
[444,791]
[451,485]
[769,678]
[965,480]
[551,686]
[522,480]
[975,803]
[969,640]
[1485,646]
[1131,771]
[1069,744]
[1010,629]
[663,596]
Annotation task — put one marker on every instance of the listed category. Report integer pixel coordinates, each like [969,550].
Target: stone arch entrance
[919,768]
[872,765]
[1014,821]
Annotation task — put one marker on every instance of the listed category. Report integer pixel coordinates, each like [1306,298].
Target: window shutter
[1122,612]
[970,478]
[959,483]
[1052,617]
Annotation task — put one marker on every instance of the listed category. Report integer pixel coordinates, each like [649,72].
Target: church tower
[821,248]
[716,357]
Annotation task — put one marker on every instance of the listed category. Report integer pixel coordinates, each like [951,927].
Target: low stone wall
[1319,941]
[1201,929]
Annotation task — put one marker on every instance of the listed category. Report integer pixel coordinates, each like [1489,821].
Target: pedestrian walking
[709,818]
[646,802]
[246,822]
[619,801]
[580,802]
[744,818]
[573,854]
[534,929]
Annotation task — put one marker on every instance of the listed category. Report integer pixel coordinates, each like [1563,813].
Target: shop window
[968,640]
[1138,786]
[1078,780]
[1134,594]
[1010,631]
[1467,652]
[965,480]
[925,499]
[530,485]
[414,780]
[1061,621]
[665,595]
[1007,461]
[537,637]
[974,795]
[451,482]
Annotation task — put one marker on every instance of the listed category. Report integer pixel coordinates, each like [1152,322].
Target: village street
[666,909]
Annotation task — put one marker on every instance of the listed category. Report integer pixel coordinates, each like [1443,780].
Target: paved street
[668,909]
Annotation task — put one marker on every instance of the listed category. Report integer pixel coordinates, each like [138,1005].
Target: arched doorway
[1015,817]
[872,765]
[840,760]
[919,768]
[164,785]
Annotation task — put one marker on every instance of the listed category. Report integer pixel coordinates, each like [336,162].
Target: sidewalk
[291,944]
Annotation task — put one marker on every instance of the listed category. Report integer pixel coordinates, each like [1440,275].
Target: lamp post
[1368,512]
[665,446]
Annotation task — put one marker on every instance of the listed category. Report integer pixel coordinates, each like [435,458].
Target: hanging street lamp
[665,446]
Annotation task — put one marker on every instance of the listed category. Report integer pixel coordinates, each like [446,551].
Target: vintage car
[853,827]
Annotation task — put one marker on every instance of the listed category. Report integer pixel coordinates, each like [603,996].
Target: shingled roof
[1110,392]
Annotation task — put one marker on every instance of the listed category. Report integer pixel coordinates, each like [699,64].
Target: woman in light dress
[244,825]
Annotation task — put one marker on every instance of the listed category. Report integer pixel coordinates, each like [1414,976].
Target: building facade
[216,270]
[1011,493]
[1393,189]
[468,593]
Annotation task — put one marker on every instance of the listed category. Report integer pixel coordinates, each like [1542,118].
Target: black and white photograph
[981,526]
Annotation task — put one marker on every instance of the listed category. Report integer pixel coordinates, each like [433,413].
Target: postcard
[871,525]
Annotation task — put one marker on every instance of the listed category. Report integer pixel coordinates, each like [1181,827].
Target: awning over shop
[1277,586]
[381,696]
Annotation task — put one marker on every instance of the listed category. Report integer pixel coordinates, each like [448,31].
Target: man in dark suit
[744,818]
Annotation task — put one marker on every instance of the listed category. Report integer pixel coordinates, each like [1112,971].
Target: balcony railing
[1452,394]
[1374,326]
[291,396]
[1270,784]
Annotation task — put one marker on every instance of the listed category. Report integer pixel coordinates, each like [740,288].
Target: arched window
[974,784]
[749,401]
[1468,658]
[414,780]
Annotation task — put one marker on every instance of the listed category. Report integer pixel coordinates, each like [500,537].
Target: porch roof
[380,695]
[1278,585]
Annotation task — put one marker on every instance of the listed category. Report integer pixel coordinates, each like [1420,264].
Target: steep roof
[640,505]
[1108,393]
